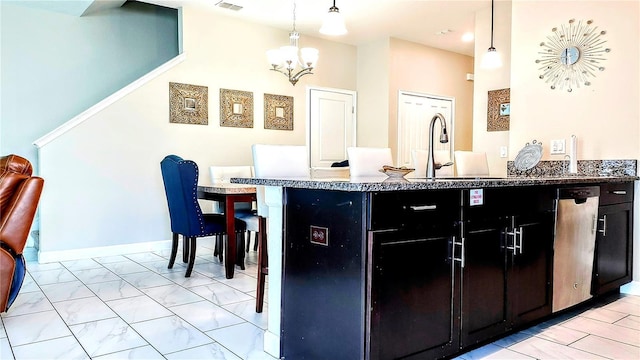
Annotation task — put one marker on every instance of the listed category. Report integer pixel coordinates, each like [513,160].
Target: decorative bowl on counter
[529,156]
[395,172]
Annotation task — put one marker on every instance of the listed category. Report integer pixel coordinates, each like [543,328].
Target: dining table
[228,194]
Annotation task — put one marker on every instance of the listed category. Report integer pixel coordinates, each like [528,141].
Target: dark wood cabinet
[412,300]
[612,261]
[507,268]
[484,312]
[413,312]
[529,267]
[427,274]
[323,292]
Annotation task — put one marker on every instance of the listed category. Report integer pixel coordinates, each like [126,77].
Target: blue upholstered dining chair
[180,179]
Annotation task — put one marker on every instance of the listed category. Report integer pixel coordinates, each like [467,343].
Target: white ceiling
[366,20]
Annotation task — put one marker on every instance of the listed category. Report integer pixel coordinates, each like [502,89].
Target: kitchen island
[421,269]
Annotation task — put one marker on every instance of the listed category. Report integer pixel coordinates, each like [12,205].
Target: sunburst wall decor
[572,55]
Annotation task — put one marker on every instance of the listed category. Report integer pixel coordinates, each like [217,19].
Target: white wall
[605,116]
[52,70]
[103,183]
[389,65]
[373,93]
[494,79]
[426,70]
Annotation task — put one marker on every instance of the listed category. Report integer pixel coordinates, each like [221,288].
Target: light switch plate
[557,146]
[503,151]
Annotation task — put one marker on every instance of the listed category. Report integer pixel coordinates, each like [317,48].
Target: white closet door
[414,115]
[332,125]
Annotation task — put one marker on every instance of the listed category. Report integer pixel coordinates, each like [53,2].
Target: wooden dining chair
[274,162]
[263,262]
[243,211]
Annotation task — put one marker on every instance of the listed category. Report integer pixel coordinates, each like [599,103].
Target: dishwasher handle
[579,194]
[604,225]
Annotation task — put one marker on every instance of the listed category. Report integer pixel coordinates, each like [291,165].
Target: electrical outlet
[557,146]
[503,151]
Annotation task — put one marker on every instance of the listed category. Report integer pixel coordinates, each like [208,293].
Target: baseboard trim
[76,254]
[272,344]
[632,288]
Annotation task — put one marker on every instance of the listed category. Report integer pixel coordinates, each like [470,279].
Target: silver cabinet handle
[518,240]
[619,192]
[423,207]
[604,225]
[461,258]
[516,233]
[510,245]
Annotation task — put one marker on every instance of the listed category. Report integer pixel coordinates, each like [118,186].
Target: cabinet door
[483,282]
[412,293]
[530,267]
[323,275]
[612,266]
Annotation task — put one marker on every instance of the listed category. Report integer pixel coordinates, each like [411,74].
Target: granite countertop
[384,183]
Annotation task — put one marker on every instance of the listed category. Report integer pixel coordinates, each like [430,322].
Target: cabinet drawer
[414,209]
[616,193]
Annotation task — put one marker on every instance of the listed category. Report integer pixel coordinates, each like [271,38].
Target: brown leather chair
[19,196]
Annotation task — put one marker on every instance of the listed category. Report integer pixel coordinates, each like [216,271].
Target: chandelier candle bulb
[309,56]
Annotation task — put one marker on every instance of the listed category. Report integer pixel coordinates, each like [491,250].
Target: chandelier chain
[294,16]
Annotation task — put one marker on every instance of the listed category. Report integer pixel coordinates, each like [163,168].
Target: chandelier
[285,60]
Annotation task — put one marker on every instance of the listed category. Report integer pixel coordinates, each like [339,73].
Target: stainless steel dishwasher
[574,244]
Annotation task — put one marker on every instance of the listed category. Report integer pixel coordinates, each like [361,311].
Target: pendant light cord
[491,23]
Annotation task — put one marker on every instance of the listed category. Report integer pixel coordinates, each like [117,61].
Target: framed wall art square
[236,108]
[188,104]
[498,110]
[278,112]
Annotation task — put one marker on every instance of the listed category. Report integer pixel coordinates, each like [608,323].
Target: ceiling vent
[227,5]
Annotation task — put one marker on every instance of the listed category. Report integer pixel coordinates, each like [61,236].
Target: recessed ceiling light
[228,5]
[467,37]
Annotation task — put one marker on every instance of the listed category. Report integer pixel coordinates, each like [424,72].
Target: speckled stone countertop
[389,184]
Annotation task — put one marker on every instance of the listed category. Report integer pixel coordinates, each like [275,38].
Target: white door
[331,125]
[415,112]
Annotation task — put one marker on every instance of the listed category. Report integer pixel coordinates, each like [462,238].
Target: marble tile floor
[132,307]
[606,329]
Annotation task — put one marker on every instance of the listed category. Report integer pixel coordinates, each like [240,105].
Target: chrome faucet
[431,169]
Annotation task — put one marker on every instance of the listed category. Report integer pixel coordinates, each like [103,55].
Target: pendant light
[491,59]
[333,23]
